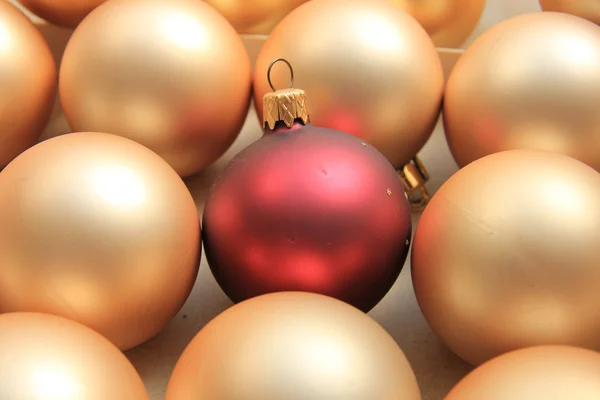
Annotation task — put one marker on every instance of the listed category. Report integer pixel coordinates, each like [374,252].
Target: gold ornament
[448,22]
[171,75]
[67,13]
[368,68]
[51,358]
[588,9]
[544,372]
[293,346]
[99,229]
[506,255]
[532,81]
[257,16]
[27,83]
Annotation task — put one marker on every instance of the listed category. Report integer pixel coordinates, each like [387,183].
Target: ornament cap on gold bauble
[284,105]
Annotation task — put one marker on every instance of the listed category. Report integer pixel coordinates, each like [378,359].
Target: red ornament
[307,209]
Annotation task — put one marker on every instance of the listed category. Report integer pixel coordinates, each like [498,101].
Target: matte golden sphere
[544,372]
[293,346]
[368,69]
[98,229]
[171,75]
[45,357]
[448,22]
[256,16]
[532,81]
[507,255]
[588,9]
[27,83]
[67,13]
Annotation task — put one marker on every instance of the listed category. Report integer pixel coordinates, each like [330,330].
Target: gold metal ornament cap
[285,105]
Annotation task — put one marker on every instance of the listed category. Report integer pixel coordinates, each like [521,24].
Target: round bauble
[506,255]
[48,357]
[544,372]
[588,9]
[293,346]
[27,83]
[532,81]
[171,75]
[67,13]
[99,229]
[308,209]
[448,22]
[368,68]
[257,16]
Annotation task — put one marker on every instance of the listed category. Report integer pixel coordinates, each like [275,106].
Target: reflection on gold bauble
[532,81]
[51,358]
[27,83]
[171,75]
[98,229]
[588,9]
[293,346]
[256,16]
[448,22]
[368,68]
[506,255]
[67,13]
[544,372]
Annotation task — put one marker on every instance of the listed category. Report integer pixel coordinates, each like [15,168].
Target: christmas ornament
[588,9]
[99,229]
[351,58]
[532,81]
[27,83]
[506,255]
[255,17]
[544,372]
[293,346]
[67,13]
[171,75]
[47,357]
[448,22]
[306,208]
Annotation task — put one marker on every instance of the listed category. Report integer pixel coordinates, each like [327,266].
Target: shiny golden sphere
[368,69]
[448,22]
[588,9]
[256,16]
[99,229]
[171,75]
[293,346]
[51,358]
[506,255]
[27,83]
[544,372]
[532,81]
[67,13]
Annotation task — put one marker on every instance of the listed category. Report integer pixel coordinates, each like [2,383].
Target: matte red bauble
[307,209]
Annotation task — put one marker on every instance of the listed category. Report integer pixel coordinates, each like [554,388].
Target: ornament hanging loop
[283,60]
[414,176]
